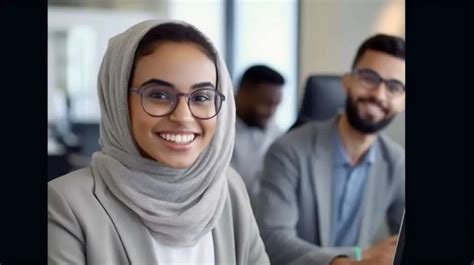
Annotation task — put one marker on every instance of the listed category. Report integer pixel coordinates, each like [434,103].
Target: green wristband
[358,253]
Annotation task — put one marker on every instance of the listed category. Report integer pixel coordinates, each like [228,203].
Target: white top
[251,144]
[200,254]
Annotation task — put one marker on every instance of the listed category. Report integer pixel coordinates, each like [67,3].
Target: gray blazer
[294,204]
[88,225]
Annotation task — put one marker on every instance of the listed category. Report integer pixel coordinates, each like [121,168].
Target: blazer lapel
[134,235]
[322,176]
[374,187]
[223,237]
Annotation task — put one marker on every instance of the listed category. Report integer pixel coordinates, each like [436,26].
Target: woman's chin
[176,162]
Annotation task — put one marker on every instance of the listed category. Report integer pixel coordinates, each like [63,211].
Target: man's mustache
[374,101]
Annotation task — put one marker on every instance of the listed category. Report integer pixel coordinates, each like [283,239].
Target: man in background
[258,96]
[329,187]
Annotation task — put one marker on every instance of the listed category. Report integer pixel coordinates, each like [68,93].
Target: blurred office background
[297,38]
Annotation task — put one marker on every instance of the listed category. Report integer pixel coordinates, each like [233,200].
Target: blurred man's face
[262,102]
[372,104]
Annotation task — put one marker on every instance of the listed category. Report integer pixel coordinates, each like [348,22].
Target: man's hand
[343,261]
[381,253]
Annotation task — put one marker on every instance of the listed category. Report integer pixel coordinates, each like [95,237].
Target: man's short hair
[392,45]
[261,74]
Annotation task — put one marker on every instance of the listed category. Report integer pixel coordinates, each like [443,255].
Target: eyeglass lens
[372,80]
[203,103]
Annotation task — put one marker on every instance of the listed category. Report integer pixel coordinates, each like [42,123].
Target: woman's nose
[181,113]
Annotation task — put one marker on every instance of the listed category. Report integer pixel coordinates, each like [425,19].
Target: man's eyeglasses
[371,80]
[159,101]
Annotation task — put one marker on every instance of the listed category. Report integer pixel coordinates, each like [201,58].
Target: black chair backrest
[323,97]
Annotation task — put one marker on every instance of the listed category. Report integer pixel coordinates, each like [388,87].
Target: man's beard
[365,126]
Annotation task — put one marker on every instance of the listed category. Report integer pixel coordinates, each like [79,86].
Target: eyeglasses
[371,80]
[159,101]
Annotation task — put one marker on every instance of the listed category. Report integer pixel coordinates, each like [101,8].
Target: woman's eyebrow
[167,84]
[202,85]
[158,82]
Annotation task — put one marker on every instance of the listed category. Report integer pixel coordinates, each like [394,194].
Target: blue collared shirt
[348,189]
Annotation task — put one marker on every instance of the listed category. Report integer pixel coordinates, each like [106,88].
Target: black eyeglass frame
[387,82]
[139,91]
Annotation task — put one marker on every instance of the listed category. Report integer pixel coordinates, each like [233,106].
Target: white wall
[332,30]
[266,33]
[207,16]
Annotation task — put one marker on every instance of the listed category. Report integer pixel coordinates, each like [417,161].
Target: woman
[161,190]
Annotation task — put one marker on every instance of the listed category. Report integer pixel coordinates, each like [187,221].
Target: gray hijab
[178,206]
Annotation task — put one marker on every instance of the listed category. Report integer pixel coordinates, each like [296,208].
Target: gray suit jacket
[88,225]
[294,205]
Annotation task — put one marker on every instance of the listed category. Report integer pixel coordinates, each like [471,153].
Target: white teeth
[178,138]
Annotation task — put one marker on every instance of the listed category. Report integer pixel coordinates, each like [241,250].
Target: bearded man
[329,188]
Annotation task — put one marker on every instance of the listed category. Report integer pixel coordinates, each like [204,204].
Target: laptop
[397,259]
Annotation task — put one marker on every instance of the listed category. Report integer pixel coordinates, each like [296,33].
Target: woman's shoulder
[75,183]
[72,199]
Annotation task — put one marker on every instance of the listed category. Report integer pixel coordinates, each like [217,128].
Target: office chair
[323,98]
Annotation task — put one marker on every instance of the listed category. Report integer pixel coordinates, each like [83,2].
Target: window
[266,33]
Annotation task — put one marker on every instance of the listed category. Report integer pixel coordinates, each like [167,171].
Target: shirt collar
[239,122]
[341,157]
[271,126]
